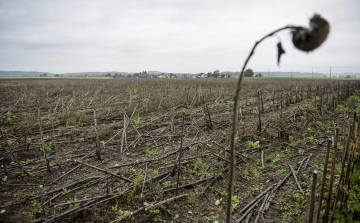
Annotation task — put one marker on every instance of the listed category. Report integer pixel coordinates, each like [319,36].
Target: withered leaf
[280,51]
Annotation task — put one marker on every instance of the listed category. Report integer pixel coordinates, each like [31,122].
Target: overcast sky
[172,36]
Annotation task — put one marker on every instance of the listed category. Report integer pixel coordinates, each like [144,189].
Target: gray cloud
[173,36]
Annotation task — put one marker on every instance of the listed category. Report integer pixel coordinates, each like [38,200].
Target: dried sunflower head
[309,39]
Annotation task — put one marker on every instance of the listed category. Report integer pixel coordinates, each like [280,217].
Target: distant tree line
[215,74]
[142,74]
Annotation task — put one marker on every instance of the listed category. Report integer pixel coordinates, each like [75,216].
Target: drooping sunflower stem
[303,39]
[235,120]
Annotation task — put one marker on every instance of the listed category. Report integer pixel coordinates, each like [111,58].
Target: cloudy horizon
[172,36]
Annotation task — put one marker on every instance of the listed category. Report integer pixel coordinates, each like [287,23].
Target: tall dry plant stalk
[305,39]
[12,154]
[42,140]
[98,152]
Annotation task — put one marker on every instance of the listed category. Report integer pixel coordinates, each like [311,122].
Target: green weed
[235,203]
[150,152]
[48,147]
[36,208]
[137,119]
[8,118]
[65,191]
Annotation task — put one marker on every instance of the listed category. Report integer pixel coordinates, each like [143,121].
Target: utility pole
[330,72]
[291,73]
[312,72]
[268,72]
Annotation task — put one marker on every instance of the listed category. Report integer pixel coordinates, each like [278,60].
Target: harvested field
[107,150]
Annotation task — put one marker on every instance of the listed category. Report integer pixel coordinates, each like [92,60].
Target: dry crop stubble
[204,153]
